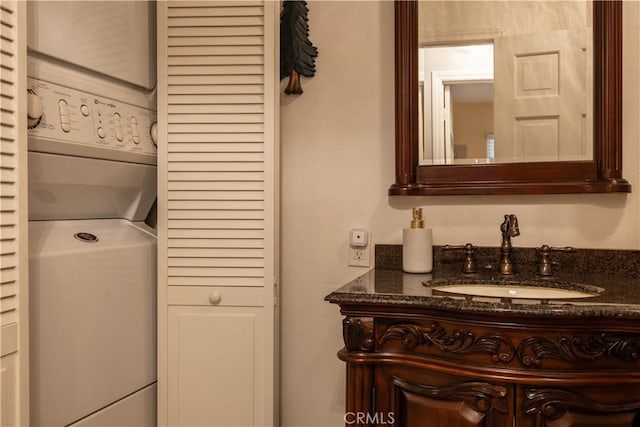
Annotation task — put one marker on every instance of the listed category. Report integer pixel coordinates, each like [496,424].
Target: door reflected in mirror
[505,81]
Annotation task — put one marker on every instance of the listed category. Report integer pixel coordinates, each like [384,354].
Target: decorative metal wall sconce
[297,53]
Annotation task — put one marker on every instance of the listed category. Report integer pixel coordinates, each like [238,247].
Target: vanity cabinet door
[604,406]
[418,398]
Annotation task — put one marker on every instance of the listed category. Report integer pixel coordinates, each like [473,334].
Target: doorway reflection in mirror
[522,71]
[457,90]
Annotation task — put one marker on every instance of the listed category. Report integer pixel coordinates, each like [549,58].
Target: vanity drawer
[223,296]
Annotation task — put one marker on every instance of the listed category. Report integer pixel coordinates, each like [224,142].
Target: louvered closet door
[217,212]
[13,217]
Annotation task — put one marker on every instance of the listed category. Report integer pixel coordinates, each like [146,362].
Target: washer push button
[63,109]
[135,135]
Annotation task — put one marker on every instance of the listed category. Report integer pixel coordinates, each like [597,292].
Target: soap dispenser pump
[417,246]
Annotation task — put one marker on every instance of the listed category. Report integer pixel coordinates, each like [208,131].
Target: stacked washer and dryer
[92,184]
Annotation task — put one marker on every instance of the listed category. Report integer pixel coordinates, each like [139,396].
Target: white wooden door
[540,104]
[217,198]
[14,316]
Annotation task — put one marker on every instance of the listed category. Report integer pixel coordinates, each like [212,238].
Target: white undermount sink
[513,291]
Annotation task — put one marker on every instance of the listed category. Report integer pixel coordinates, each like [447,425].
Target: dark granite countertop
[620,297]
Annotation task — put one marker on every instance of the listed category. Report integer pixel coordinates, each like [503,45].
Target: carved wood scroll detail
[458,341]
[358,334]
[479,396]
[553,403]
[530,352]
[625,347]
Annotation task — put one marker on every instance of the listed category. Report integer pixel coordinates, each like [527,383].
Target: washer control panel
[89,125]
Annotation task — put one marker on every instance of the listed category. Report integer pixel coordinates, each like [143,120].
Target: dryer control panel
[66,121]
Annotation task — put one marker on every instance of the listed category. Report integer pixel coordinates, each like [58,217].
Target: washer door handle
[215,298]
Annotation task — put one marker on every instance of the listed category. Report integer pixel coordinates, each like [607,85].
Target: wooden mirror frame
[601,175]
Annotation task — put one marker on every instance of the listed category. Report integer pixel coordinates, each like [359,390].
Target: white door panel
[541,95]
[206,347]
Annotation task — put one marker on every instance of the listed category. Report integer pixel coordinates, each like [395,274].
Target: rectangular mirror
[508,97]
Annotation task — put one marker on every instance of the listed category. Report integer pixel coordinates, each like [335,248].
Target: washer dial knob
[154,133]
[34,109]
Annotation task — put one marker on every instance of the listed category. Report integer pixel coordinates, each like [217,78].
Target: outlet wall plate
[359,248]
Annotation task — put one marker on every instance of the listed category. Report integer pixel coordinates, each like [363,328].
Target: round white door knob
[215,298]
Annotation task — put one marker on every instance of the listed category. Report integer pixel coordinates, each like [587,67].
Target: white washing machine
[92,266]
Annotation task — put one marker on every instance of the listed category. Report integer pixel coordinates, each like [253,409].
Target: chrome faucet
[509,229]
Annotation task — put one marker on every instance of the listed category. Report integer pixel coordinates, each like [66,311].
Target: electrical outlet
[360,256]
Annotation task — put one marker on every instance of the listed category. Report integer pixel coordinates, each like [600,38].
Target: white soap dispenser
[417,246]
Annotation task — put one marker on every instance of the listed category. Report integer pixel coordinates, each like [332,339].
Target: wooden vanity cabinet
[434,368]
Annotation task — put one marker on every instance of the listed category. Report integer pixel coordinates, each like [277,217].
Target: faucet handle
[544,268]
[469,265]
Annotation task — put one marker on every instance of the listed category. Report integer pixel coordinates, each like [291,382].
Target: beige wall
[472,121]
[337,163]
[451,21]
